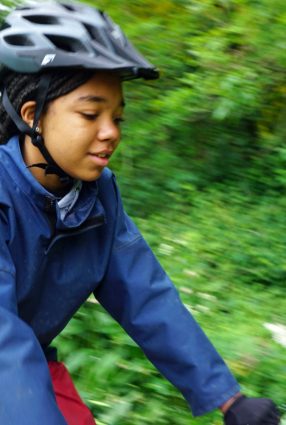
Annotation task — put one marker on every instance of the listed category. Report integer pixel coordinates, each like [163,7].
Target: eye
[89,117]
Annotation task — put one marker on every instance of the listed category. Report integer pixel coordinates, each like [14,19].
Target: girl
[64,233]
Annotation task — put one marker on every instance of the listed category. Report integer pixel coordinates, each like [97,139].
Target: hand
[252,411]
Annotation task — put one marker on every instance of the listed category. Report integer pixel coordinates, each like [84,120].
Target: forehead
[102,88]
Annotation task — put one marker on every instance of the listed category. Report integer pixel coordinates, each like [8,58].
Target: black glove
[252,411]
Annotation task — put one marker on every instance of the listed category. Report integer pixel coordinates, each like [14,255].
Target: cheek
[70,145]
[64,137]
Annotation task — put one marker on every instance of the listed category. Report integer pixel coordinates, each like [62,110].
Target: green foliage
[6,6]
[217,114]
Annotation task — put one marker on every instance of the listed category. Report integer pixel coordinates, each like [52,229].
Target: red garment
[70,404]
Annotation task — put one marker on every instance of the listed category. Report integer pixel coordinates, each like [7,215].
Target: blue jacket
[49,267]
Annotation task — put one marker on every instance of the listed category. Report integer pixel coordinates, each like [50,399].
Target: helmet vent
[42,19]
[67,44]
[69,7]
[18,40]
[91,30]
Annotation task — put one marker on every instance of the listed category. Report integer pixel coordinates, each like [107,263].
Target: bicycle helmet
[41,37]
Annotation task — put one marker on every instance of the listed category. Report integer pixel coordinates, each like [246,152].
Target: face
[81,130]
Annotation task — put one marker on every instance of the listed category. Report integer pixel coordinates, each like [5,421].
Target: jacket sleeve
[140,296]
[26,394]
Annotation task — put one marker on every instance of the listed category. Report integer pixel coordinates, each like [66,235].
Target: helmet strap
[51,167]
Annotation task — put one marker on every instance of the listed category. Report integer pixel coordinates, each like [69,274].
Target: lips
[101,158]
[102,154]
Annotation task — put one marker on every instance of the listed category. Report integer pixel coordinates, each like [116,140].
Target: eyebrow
[97,99]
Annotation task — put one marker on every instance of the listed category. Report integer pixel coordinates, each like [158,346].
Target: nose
[109,131]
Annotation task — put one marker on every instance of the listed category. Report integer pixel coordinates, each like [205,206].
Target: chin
[90,177]
[85,175]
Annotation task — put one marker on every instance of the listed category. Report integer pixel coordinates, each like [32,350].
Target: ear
[28,112]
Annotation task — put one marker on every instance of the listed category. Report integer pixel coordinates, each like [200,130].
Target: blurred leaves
[217,113]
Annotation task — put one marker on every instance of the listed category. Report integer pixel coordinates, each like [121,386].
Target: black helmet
[41,37]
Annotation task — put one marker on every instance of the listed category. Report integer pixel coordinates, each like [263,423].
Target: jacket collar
[88,204]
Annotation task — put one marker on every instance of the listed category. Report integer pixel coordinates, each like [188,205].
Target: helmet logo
[48,59]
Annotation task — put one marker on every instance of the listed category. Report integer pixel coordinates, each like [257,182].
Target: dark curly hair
[23,87]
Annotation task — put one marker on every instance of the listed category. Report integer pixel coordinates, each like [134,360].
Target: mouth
[100,158]
[102,155]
